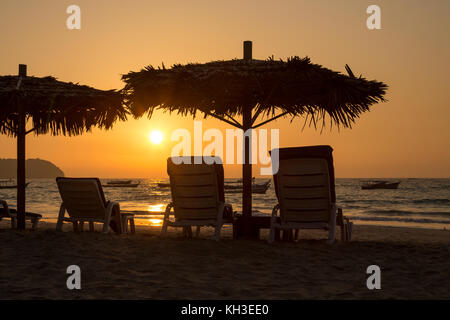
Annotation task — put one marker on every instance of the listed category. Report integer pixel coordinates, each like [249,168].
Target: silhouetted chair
[6,212]
[198,197]
[84,201]
[305,189]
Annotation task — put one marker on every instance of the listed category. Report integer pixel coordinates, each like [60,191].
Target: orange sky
[406,137]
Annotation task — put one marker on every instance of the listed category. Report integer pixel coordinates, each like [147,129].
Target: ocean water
[423,203]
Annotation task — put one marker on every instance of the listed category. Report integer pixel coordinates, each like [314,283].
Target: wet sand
[414,264]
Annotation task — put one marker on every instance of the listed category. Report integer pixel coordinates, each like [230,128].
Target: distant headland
[35,168]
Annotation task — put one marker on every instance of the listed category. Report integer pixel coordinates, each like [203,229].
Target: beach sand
[414,264]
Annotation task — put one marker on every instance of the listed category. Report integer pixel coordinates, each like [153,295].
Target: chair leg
[59,224]
[91,226]
[331,234]
[189,232]
[218,227]
[125,224]
[349,230]
[81,226]
[343,232]
[34,223]
[75,226]
[296,234]
[132,227]
[272,234]
[332,225]
[163,229]
[13,223]
[106,224]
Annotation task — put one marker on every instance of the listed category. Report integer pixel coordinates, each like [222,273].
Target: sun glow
[156,137]
[156,208]
[155,222]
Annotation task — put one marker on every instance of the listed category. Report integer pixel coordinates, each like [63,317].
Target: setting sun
[156,137]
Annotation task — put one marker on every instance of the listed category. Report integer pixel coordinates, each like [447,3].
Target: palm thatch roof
[225,88]
[57,107]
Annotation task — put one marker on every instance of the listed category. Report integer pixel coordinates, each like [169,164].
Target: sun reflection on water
[155,222]
[157,209]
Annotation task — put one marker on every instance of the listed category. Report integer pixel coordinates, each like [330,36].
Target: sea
[422,203]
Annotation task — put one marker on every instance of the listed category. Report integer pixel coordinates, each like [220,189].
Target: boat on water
[370,185]
[259,188]
[121,184]
[163,185]
[234,187]
[10,184]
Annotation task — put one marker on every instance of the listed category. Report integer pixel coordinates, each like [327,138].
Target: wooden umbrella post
[247,166]
[21,157]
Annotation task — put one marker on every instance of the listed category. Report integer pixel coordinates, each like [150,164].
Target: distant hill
[35,168]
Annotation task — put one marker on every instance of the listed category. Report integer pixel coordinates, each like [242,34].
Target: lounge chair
[6,212]
[198,197]
[304,186]
[84,201]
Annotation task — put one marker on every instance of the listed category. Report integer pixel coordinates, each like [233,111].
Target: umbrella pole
[247,168]
[21,159]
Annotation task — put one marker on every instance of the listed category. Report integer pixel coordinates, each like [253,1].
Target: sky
[408,136]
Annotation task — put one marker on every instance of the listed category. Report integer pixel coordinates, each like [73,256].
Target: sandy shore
[414,263]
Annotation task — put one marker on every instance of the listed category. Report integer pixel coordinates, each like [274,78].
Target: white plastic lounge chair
[305,189]
[197,196]
[6,212]
[84,201]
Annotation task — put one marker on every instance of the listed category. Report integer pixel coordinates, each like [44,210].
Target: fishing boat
[124,184]
[370,185]
[10,184]
[163,185]
[259,188]
[233,187]
[119,182]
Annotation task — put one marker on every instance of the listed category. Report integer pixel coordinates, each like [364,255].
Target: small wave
[405,212]
[432,201]
[420,220]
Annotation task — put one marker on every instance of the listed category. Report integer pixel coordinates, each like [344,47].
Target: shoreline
[409,225]
[414,265]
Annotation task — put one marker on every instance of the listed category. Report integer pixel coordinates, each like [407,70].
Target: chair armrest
[273,218]
[5,206]
[111,205]
[167,212]
[108,217]
[228,212]
[276,208]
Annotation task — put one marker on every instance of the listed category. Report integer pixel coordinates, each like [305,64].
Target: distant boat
[10,184]
[121,184]
[163,185]
[232,187]
[259,188]
[369,185]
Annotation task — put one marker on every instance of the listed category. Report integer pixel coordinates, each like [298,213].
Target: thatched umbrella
[252,89]
[53,107]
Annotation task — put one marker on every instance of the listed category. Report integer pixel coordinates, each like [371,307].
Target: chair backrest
[82,197]
[197,189]
[304,185]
